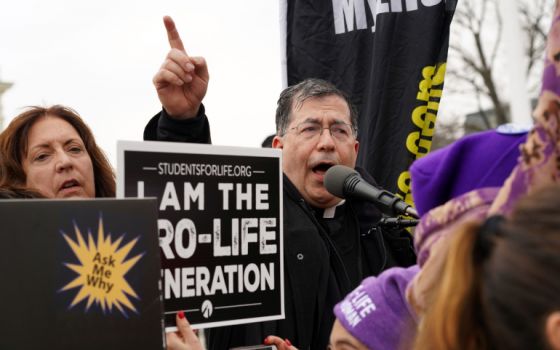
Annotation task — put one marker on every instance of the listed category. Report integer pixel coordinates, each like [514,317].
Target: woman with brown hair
[52,150]
[498,289]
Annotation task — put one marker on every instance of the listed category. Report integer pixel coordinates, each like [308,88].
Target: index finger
[172,34]
[185,329]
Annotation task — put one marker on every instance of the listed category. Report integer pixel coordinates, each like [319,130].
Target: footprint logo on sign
[207,308]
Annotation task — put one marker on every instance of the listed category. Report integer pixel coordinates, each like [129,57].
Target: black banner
[219,225]
[389,56]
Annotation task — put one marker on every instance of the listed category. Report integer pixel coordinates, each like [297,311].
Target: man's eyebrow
[316,120]
[311,120]
[339,121]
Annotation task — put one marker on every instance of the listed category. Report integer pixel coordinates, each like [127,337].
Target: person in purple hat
[483,159]
[376,315]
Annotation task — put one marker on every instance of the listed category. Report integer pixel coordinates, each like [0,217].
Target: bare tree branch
[474,60]
[498,39]
[534,19]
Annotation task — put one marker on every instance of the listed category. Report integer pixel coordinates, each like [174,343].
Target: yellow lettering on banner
[430,79]
[419,142]
[424,116]
[424,120]
[421,115]
[403,184]
[417,145]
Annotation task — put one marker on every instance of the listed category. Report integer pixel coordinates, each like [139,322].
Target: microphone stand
[391,224]
[398,222]
[395,227]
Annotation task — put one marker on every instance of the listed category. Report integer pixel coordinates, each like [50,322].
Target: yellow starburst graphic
[101,271]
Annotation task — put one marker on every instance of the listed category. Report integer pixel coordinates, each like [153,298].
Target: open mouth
[321,168]
[69,184]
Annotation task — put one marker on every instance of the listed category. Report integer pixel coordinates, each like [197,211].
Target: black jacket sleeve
[164,128]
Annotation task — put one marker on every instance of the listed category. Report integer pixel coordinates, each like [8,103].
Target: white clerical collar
[328,213]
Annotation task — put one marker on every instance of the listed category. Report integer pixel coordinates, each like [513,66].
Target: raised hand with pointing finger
[182,80]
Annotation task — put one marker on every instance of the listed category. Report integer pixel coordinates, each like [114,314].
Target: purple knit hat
[483,159]
[376,312]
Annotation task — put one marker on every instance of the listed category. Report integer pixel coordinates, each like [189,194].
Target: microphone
[345,182]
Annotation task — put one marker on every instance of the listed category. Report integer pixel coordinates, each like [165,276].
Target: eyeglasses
[339,131]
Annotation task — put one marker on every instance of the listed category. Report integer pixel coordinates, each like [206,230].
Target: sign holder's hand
[281,344]
[185,337]
[182,81]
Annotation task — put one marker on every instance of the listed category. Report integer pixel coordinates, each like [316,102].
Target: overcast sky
[99,58]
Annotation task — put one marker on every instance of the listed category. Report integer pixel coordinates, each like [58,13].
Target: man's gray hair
[302,91]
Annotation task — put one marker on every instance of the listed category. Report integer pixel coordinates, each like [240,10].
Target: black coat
[324,259]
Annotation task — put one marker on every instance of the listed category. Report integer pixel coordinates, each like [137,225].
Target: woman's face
[57,163]
[341,339]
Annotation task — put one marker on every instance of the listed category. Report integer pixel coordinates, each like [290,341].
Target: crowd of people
[477,275]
